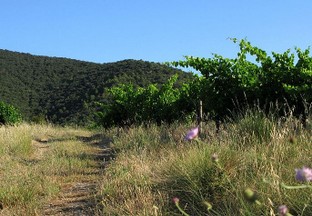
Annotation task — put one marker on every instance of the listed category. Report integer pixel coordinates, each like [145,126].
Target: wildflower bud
[283,211]
[175,200]
[304,174]
[250,195]
[214,157]
[207,204]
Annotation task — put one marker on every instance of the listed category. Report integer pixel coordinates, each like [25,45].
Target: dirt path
[79,198]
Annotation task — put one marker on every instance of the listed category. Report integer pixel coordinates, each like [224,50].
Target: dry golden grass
[38,162]
[154,165]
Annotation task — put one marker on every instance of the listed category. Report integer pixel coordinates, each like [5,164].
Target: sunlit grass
[35,162]
[154,165]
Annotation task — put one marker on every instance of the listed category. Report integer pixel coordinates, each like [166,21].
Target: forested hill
[61,89]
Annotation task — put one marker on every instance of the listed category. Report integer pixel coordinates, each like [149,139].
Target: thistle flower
[283,211]
[175,200]
[192,133]
[304,174]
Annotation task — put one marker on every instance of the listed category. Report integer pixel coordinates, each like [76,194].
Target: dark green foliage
[267,80]
[62,90]
[9,115]
[136,105]
[228,86]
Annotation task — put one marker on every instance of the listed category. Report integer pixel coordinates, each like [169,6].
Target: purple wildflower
[175,200]
[282,210]
[304,174]
[192,134]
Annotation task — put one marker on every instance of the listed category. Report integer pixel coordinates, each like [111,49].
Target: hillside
[61,89]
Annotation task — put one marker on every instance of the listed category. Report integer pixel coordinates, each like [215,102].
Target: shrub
[9,115]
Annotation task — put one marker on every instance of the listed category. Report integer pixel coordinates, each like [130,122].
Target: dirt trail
[79,198]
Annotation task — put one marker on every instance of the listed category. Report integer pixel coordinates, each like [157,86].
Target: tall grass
[15,142]
[255,152]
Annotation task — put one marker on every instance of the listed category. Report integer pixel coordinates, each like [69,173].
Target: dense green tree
[9,114]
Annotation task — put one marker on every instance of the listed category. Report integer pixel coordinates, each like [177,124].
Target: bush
[9,115]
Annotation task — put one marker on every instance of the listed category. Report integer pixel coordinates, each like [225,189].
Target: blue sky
[163,30]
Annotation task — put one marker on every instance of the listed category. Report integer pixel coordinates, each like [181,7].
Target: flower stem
[181,210]
[296,187]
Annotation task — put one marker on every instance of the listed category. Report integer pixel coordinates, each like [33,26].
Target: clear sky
[152,30]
